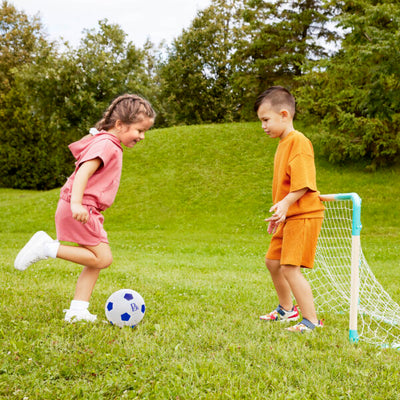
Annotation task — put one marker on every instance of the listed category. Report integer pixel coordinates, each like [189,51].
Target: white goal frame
[355,257]
[342,281]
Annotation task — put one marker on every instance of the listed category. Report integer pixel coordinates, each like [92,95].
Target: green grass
[187,232]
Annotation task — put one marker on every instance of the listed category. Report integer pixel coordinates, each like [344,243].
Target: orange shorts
[295,242]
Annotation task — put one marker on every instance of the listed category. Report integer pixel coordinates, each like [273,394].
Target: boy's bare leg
[302,291]
[281,284]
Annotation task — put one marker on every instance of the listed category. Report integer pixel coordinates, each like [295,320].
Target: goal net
[342,280]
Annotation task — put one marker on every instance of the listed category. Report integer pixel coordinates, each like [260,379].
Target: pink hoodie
[103,185]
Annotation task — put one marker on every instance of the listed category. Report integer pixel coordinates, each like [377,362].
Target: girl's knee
[102,255]
[105,262]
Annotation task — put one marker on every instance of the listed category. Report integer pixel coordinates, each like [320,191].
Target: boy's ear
[285,113]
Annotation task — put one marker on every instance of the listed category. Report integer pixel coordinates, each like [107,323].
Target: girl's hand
[79,213]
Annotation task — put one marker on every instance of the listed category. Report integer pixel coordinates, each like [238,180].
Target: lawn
[187,232]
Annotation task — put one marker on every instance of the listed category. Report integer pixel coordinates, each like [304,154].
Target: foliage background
[339,58]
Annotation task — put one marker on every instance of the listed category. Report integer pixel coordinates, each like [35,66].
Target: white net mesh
[378,314]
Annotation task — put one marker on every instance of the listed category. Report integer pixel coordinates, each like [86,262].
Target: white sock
[52,248]
[79,305]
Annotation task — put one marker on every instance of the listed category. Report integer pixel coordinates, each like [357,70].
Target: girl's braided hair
[128,108]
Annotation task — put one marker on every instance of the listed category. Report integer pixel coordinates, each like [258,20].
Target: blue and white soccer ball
[125,307]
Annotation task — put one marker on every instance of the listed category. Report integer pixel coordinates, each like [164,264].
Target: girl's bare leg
[93,258]
[90,256]
[85,284]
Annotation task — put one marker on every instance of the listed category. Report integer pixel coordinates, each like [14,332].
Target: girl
[88,191]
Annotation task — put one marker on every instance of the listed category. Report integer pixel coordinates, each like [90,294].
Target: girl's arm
[85,171]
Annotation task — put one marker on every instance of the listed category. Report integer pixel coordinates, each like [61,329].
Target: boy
[297,211]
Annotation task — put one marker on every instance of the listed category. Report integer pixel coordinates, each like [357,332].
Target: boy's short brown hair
[279,97]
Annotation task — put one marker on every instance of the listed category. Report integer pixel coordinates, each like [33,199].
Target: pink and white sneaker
[279,314]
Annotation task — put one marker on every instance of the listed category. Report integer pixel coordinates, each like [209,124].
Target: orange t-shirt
[294,169]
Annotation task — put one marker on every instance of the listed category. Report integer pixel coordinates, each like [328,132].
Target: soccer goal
[342,280]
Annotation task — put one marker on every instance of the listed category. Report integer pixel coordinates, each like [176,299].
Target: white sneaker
[79,315]
[33,251]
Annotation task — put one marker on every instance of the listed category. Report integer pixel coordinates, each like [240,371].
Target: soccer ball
[125,307]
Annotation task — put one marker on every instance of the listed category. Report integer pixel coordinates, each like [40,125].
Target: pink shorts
[70,230]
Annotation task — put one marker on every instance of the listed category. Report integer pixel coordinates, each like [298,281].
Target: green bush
[32,154]
[54,100]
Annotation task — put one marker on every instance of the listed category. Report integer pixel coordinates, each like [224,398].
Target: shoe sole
[306,330]
[280,320]
[75,319]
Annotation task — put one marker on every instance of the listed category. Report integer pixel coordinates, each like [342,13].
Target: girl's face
[130,134]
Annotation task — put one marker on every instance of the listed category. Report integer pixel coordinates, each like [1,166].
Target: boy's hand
[79,213]
[272,227]
[279,210]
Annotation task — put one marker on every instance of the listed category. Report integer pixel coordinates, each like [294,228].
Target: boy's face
[275,124]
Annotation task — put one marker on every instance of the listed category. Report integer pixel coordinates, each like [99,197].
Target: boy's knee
[272,265]
[290,270]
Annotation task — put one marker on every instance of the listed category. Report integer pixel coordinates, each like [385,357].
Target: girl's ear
[118,124]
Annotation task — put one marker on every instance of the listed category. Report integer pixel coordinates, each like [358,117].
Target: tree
[357,93]
[22,41]
[280,37]
[56,99]
[235,49]
[196,76]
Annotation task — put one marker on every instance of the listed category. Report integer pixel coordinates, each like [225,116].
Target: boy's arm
[281,208]
[85,171]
